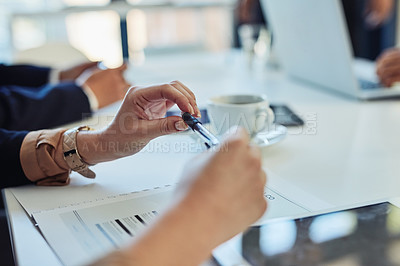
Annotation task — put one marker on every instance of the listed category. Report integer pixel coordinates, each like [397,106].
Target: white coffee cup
[251,112]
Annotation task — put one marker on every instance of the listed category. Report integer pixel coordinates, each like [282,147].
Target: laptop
[313,45]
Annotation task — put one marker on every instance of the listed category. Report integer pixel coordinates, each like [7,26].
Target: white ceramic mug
[251,112]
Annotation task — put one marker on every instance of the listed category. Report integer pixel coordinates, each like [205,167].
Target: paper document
[82,233]
[79,235]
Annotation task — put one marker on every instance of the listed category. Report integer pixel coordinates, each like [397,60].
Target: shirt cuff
[54,76]
[41,159]
[93,102]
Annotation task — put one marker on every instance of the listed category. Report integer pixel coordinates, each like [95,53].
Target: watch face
[69,153]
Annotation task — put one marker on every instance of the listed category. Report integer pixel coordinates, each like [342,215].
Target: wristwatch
[71,154]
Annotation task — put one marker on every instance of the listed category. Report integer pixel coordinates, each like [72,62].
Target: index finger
[189,95]
[172,94]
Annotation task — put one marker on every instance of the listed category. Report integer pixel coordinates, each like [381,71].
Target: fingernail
[180,126]
[198,113]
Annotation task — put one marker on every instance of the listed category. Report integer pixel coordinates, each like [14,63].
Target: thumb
[88,65]
[164,126]
[122,68]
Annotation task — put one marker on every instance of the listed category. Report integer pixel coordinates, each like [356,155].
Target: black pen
[209,139]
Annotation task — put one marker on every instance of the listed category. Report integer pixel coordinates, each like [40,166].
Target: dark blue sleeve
[11,170]
[50,106]
[24,75]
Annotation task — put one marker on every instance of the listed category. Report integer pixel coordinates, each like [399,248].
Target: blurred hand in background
[388,66]
[377,12]
[109,86]
[74,72]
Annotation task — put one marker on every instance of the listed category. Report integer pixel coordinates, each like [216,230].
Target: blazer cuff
[54,76]
[42,160]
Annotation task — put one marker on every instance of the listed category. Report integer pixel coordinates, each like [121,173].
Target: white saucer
[263,139]
[272,136]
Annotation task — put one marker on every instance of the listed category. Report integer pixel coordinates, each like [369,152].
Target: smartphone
[285,116]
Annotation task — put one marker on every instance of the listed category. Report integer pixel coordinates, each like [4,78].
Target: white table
[347,152]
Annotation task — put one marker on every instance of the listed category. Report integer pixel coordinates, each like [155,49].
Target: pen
[209,139]
[101,65]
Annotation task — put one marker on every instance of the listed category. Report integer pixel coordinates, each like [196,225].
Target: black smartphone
[285,116]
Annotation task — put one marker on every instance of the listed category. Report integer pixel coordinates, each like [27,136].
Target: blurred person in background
[33,97]
[247,12]
[371,23]
[372,26]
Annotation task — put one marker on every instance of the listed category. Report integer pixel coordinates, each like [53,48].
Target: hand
[377,12]
[75,71]
[388,66]
[221,195]
[230,184]
[109,86]
[139,120]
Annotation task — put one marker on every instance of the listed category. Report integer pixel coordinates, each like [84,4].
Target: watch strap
[71,154]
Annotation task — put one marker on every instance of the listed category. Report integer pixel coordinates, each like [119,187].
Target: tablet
[368,235]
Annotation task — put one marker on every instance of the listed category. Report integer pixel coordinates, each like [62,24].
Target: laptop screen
[312,42]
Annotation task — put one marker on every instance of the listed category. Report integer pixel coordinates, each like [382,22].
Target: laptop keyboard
[369,85]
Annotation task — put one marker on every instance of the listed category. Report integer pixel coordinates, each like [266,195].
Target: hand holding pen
[209,139]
